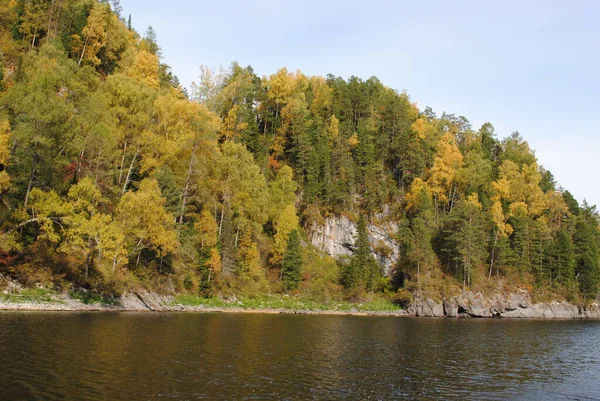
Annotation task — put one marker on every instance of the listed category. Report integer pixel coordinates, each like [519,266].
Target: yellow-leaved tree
[284,225]
[447,162]
[4,156]
[144,221]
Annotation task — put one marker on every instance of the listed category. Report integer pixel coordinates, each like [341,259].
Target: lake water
[179,356]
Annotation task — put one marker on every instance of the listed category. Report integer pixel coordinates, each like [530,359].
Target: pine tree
[363,271]
[587,265]
[469,237]
[565,257]
[292,262]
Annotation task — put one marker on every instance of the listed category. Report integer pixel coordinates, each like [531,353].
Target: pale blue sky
[527,66]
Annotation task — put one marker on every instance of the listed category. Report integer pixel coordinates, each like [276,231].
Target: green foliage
[30,295]
[363,272]
[291,266]
[111,177]
[587,262]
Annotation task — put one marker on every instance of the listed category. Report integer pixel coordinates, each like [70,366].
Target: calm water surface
[155,356]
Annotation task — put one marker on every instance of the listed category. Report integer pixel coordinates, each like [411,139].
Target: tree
[448,161]
[285,224]
[363,271]
[149,43]
[292,262]
[587,265]
[32,21]
[282,191]
[94,35]
[469,237]
[4,156]
[419,205]
[145,69]
[145,222]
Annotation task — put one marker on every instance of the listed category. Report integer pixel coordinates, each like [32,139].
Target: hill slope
[112,177]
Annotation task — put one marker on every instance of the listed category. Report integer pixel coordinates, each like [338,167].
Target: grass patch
[90,298]
[40,295]
[286,302]
[194,300]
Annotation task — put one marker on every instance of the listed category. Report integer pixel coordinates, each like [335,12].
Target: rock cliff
[336,238]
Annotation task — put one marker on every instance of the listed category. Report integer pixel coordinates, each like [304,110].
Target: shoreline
[57,307]
[146,303]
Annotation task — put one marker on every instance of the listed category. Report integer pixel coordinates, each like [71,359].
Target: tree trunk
[493,254]
[79,163]
[31,175]
[33,40]
[137,262]
[187,184]
[97,168]
[221,222]
[50,18]
[128,177]
[122,162]
[83,51]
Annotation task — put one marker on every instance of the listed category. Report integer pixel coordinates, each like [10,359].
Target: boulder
[450,308]
[426,308]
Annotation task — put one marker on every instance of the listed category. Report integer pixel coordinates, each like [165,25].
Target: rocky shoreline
[475,305]
[467,305]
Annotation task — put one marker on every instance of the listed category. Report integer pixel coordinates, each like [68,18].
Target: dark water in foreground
[154,356]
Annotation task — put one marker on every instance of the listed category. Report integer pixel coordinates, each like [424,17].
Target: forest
[113,176]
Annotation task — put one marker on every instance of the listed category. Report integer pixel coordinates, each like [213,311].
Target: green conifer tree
[291,266]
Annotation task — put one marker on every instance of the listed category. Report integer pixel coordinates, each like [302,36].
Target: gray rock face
[517,305]
[426,308]
[336,238]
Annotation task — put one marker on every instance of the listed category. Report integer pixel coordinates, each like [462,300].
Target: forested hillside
[114,177]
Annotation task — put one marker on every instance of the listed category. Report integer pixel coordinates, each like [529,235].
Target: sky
[528,66]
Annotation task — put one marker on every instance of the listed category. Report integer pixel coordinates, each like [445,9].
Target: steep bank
[468,305]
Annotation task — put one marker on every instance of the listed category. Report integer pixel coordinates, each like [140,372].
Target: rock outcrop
[336,238]
[426,308]
[513,305]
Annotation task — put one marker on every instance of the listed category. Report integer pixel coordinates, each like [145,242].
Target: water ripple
[109,356]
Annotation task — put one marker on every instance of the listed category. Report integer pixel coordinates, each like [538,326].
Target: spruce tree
[363,270]
[587,265]
[292,262]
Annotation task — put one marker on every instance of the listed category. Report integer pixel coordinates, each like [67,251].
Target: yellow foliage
[230,128]
[93,35]
[4,154]
[414,197]
[420,126]
[447,162]
[285,224]
[144,220]
[557,209]
[499,219]
[206,229]
[333,130]
[145,68]
[322,96]
[520,185]
[280,86]
[214,261]
[353,140]
[501,189]
[249,257]
[473,199]
[518,209]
